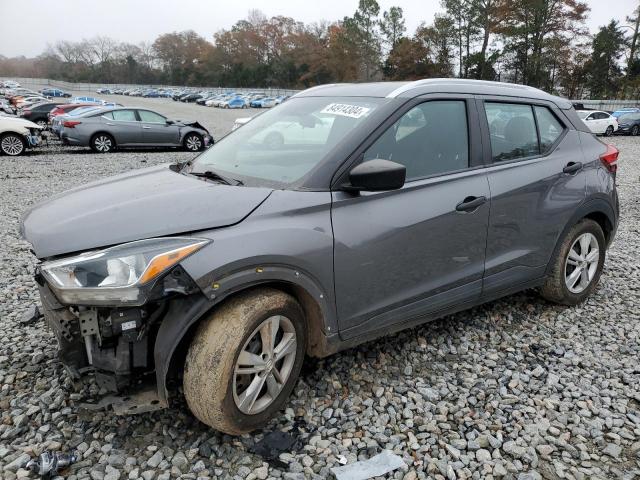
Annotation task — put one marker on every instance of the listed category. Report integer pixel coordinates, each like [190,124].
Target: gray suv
[346,213]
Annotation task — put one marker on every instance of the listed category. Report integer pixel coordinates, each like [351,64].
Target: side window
[151,117]
[124,115]
[430,139]
[549,127]
[513,131]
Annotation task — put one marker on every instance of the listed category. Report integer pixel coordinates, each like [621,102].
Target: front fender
[185,312]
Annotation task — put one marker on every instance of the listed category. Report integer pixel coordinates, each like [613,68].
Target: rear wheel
[244,360]
[577,265]
[12,144]
[193,142]
[102,143]
[609,131]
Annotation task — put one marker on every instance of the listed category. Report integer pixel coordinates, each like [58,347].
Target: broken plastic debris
[32,315]
[376,466]
[276,442]
[49,463]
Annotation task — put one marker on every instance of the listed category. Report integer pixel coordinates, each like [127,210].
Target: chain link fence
[92,87]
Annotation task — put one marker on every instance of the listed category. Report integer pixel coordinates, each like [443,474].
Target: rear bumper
[67,139]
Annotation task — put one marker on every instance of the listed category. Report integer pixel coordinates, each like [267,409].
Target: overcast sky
[143,20]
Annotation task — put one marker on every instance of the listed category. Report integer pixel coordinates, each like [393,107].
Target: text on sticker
[345,110]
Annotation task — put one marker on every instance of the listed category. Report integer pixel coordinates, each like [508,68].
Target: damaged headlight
[118,274]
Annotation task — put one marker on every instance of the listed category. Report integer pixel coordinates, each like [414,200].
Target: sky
[143,20]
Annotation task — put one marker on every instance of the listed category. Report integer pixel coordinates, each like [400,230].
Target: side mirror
[170,122]
[376,175]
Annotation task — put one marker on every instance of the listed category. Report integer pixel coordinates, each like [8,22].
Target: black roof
[432,85]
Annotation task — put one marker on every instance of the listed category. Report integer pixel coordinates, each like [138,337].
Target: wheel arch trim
[599,204]
[185,313]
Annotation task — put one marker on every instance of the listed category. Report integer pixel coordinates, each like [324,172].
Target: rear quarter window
[549,127]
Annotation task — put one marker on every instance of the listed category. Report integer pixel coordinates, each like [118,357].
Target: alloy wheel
[193,143]
[634,130]
[609,131]
[581,263]
[264,364]
[12,145]
[42,123]
[103,144]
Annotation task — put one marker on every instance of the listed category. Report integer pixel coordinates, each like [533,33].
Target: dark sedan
[191,98]
[629,124]
[39,113]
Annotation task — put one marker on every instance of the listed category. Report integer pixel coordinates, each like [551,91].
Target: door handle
[147,128]
[572,167]
[470,204]
[112,124]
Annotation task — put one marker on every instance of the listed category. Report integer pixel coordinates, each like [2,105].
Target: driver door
[156,130]
[403,254]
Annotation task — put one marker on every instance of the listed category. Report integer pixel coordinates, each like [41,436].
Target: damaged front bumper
[114,345]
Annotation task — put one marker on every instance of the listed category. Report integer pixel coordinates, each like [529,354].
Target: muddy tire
[233,380]
[577,265]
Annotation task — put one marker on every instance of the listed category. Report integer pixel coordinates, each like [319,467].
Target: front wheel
[635,130]
[577,265]
[12,144]
[193,142]
[609,131]
[244,360]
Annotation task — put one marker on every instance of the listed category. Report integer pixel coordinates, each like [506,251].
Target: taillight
[610,158]
[71,123]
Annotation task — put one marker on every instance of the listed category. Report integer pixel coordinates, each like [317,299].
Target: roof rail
[426,81]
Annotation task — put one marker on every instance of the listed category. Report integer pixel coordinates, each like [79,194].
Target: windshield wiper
[210,175]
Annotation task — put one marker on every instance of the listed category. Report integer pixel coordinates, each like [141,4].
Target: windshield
[629,117]
[284,144]
[619,113]
[82,110]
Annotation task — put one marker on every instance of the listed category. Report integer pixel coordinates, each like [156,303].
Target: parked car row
[89,121]
[228,99]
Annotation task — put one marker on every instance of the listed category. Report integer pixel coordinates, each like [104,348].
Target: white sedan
[599,122]
[18,134]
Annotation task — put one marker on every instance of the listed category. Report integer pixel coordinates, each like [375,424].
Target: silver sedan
[125,127]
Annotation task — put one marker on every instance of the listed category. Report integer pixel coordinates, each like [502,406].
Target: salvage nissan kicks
[346,213]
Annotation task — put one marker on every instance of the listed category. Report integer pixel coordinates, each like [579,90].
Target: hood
[145,203]
[21,121]
[190,123]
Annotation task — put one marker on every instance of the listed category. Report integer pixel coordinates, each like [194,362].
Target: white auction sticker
[128,325]
[345,110]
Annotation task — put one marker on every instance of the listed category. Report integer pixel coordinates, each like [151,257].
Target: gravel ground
[517,388]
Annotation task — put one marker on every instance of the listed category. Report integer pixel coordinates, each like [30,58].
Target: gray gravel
[518,388]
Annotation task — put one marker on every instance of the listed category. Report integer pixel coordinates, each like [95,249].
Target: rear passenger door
[125,127]
[535,175]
